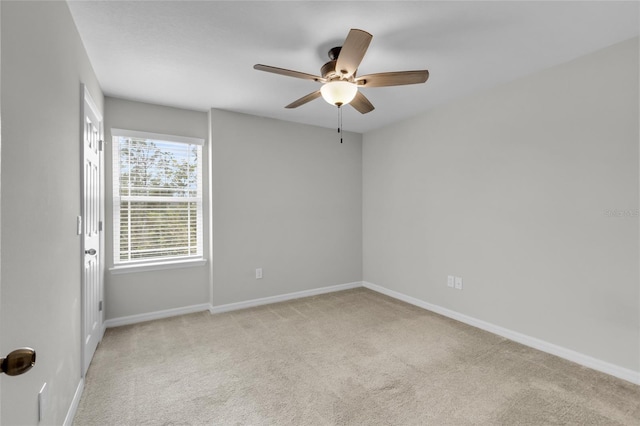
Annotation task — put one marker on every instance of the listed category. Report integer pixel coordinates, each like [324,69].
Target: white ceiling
[200,54]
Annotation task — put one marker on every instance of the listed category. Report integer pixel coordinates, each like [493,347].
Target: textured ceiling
[199,54]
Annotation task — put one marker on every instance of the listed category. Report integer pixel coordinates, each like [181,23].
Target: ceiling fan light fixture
[339,75]
[339,92]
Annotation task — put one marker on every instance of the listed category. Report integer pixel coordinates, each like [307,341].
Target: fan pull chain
[340,122]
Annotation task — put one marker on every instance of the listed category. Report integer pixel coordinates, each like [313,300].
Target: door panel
[91,216]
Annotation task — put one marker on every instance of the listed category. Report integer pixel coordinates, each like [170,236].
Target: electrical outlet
[42,401]
[458,283]
[258,273]
[450,281]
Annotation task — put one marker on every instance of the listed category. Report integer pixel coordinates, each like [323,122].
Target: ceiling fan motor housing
[328,70]
[334,52]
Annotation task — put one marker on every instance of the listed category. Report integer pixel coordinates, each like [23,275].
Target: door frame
[0,210]
[85,98]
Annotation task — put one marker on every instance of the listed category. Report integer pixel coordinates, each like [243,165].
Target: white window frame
[163,262]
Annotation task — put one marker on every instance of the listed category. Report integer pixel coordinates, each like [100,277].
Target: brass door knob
[18,362]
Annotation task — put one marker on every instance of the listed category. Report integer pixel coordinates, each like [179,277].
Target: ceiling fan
[340,83]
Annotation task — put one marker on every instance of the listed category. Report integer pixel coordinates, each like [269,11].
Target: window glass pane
[158,168]
[157,200]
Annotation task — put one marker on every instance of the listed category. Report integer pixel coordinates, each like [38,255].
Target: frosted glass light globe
[339,92]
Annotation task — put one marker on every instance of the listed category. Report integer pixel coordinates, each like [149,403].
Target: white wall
[287,198]
[43,64]
[510,190]
[143,292]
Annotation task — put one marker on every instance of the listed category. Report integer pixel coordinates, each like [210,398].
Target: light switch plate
[258,273]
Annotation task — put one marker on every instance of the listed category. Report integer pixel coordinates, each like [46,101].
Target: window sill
[145,267]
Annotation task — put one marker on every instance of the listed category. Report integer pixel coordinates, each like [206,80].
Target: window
[157,198]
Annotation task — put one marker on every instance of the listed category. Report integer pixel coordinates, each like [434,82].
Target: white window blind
[157,197]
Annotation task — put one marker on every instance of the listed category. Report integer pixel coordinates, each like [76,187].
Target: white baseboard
[568,354]
[282,297]
[562,352]
[71,412]
[134,319]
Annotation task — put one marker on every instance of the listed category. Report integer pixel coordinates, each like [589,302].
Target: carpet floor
[353,357]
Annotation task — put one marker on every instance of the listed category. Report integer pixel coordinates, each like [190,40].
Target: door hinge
[100,306]
[100,226]
[101,145]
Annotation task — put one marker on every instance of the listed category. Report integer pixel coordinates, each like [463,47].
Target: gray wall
[511,189]
[287,198]
[43,64]
[135,293]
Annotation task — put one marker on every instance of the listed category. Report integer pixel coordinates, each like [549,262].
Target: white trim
[104,326]
[71,412]
[156,136]
[134,319]
[210,201]
[89,100]
[282,297]
[144,267]
[553,349]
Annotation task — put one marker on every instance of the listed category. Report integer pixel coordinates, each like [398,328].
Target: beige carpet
[353,357]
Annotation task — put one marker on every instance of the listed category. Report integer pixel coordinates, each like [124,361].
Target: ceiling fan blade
[352,52]
[361,103]
[398,78]
[288,73]
[303,100]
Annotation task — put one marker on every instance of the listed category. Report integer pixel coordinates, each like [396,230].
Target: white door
[92,328]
